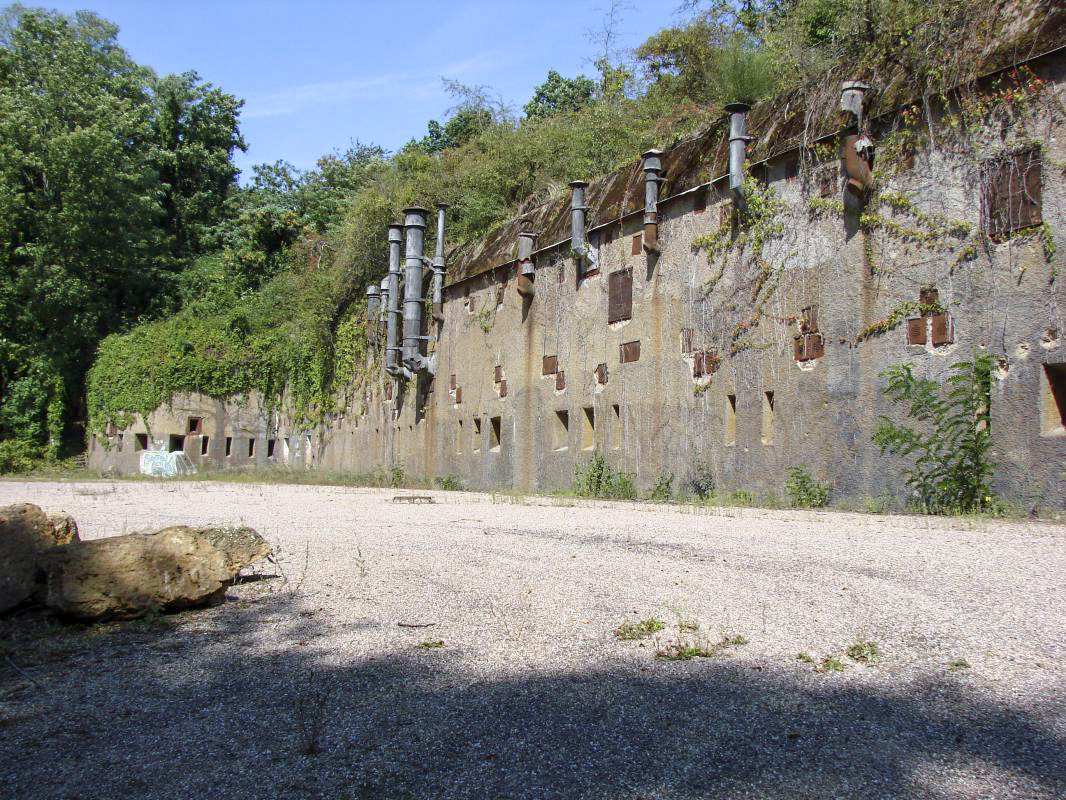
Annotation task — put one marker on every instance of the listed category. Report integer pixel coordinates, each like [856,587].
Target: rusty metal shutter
[686,340]
[503,389]
[620,295]
[451,385]
[458,395]
[637,239]
[916,330]
[1030,202]
[629,351]
[550,365]
[601,373]
[560,380]
[497,374]
[1011,192]
[943,330]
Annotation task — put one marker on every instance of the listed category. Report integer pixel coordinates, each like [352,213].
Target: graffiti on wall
[157,461]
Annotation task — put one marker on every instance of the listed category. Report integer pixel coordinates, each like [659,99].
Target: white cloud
[423,83]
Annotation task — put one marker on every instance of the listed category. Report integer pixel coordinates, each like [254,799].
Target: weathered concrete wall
[499,426]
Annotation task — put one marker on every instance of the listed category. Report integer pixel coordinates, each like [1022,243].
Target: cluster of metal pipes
[404,358]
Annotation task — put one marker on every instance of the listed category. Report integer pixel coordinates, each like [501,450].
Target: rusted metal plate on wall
[698,366]
[636,245]
[560,380]
[916,330]
[686,340]
[550,365]
[601,374]
[503,389]
[928,297]
[451,383]
[943,332]
[620,295]
[497,374]
[629,352]
[458,395]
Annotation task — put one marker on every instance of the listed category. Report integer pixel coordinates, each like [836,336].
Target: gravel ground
[313,684]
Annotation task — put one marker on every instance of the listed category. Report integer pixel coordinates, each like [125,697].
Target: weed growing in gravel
[397,476]
[309,710]
[663,490]
[865,652]
[430,644]
[951,451]
[805,657]
[639,630]
[597,479]
[741,497]
[830,664]
[686,626]
[684,651]
[701,483]
[958,664]
[449,483]
[803,491]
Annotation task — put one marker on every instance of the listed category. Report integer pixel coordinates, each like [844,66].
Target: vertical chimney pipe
[738,149]
[653,167]
[857,148]
[392,319]
[414,223]
[438,266]
[577,224]
[373,299]
[526,269]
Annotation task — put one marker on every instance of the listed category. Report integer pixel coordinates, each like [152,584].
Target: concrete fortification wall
[750,359]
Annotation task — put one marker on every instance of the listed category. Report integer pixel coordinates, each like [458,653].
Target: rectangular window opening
[588,429]
[251,448]
[140,441]
[731,419]
[459,437]
[699,204]
[494,434]
[229,446]
[271,443]
[616,427]
[1053,416]
[177,442]
[196,425]
[477,434]
[203,444]
[767,417]
[561,440]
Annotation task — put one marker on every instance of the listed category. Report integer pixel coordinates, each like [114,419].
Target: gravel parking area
[467,649]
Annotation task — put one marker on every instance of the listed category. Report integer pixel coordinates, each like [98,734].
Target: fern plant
[952,466]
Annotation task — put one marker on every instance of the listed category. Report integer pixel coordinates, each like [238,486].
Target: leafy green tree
[952,468]
[559,94]
[195,128]
[102,191]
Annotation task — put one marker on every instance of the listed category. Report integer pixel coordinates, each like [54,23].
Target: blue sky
[319,74]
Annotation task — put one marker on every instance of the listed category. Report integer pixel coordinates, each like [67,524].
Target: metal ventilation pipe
[738,149]
[392,319]
[653,167]
[858,149]
[414,223]
[526,242]
[438,267]
[577,224]
[373,299]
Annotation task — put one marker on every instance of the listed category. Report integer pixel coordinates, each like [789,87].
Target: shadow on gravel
[190,710]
